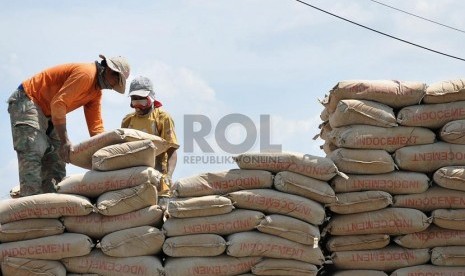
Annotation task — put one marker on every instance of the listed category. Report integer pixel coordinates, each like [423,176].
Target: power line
[426,19]
[379,32]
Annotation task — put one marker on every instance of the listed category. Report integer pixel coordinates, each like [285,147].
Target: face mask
[142,104]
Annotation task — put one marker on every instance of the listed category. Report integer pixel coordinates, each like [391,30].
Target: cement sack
[97,225]
[94,183]
[429,158]
[391,221]
[209,266]
[358,161]
[453,132]
[324,115]
[325,130]
[451,177]
[27,229]
[48,248]
[386,259]
[50,205]
[433,236]
[362,112]
[427,270]
[31,267]
[223,182]
[432,116]
[448,256]
[199,245]
[233,222]
[358,272]
[131,242]
[297,184]
[98,263]
[390,92]
[328,147]
[434,198]
[449,219]
[81,155]
[357,242]
[125,155]
[291,229]
[374,137]
[357,202]
[199,206]
[127,200]
[397,182]
[256,244]
[284,268]
[445,91]
[321,168]
[271,201]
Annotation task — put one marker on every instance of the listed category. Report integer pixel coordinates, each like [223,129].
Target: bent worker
[38,109]
[151,118]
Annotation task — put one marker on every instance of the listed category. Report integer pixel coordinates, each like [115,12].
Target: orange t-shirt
[63,88]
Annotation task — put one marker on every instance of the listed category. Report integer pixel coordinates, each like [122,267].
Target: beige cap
[121,65]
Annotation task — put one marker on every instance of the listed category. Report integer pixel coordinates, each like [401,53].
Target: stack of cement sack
[262,219]
[105,221]
[402,208]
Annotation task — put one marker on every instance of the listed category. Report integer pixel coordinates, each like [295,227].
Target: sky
[228,62]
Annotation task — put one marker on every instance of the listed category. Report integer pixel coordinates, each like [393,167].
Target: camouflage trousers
[36,144]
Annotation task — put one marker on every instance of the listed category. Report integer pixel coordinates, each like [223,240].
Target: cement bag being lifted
[271,201]
[127,200]
[445,92]
[451,177]
[50,205]
[31,267]
[97,225]
[95,183]
[448,256]
[429,158]
[27,229]
[357,242]
[374,137]
[199,245]
[81,155]
[433,236]
[431,115]
[223,182]
[393,93]
[48,248]
[386,259]
[434,198]
[453,132]
[284,267]
[131,242]
[199,206]
[397,182]
[449,219]
[359,161]
[297,184]
[312,166]
[219,265]
[233,222]
[256,244]
[428,269]
[125,155]
[99,263]
[361,112]
[290,228]
[357,202]
[391,221]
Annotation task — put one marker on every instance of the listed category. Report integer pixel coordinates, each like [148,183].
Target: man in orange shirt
[38,109]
